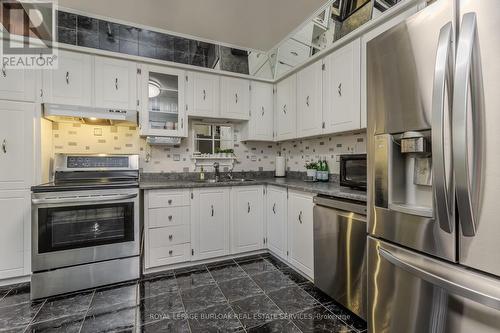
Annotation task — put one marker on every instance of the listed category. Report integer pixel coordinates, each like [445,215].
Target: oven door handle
[83,199]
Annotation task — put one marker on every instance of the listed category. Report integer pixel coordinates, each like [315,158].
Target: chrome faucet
[217,172]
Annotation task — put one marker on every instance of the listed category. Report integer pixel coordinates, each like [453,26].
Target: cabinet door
[309,112]
[300,232]
[261,114]
[247,218]
[235,98]
[342,96]
[71,82]
[276,216]
[210,222]
[15,254]
[16,145]
[286,122]
[17,84]
[203,94]
[163,108]
[115,83]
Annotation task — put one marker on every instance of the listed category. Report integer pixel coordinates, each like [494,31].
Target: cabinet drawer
[159,199]
[169,255]
[168,236]
[164,217]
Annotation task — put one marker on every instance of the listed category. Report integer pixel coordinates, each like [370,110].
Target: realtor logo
[28,28]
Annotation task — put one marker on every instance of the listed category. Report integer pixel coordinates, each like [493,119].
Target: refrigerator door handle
[443,79]
[467,75]
[461,283]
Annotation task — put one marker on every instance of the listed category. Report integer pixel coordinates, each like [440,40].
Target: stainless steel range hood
[89,115]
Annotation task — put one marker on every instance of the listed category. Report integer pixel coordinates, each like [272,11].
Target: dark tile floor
[251,294]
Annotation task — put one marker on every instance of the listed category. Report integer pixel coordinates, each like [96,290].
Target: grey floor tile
[347,316]
[158,286]
[270,281]
[219,318]
[257,266]
[200,298]
[228,272]
[292,299]
[16,295]
[248,258]
[239,288]
[294,276]
[220,263]
[164,306]
[319,319]
[71,324]
[277,262]
[122,320]
[193,279]
[255,311]
[276,326]
[316,293]
[166,326]
[59,307]
[19,315]
[119,297]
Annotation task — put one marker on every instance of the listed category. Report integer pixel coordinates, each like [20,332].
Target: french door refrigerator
[434,171]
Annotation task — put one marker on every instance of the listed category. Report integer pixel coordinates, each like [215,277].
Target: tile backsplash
[251,156]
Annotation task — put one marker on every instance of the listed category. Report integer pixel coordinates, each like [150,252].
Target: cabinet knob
[170,252]
[236,97]
[284,109]
[170,217]
[169,201]
[4,146]
[248,203]
[300,217]
[204,94]
[170,237]
[339,89]
[263,111]
[307,100]
[116,83]
[274,208]
[212,210]
[4,72]
[67,77]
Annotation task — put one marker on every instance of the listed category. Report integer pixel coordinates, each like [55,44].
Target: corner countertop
[331,188]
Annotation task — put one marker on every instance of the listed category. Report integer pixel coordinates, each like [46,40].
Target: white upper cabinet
[235,98]
[276,217]
[300,232]
[309,112]
[203,94]
[247,218]
[261,124]
[163,109]
[210,217]
[17,84]
[341,89]
[71,82]
[16,145]
[285,113]
[115,84]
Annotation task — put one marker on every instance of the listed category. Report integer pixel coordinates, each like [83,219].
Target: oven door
[90,226]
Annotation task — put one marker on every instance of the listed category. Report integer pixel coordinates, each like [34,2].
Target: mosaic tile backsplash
[254,156]
[86,31]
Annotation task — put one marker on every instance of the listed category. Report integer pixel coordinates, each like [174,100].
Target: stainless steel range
[85,224]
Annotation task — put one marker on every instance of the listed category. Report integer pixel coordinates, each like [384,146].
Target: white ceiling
[252,24]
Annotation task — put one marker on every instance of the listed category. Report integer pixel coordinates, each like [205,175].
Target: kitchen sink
[236,180]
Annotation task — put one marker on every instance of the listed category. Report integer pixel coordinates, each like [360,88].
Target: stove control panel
[91,162]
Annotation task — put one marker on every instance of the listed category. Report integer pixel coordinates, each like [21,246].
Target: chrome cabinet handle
[443,73]
[236,97]
[263,111]
[339,89]
[4,71]
[4,146]
[284,109]
[274,208]
[212,210]
[204,94]
[116,83]
[67,77]
[170,217]
[307,100]
[294,53]
[248,210]
[83,199]
[182,122]
[170,252]
[468,78]
[300,217]
[169,201]
[170,237]
[461,282]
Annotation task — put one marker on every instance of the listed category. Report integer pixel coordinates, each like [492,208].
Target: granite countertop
[330,188]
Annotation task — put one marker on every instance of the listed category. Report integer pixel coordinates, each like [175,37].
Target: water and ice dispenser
[403,173]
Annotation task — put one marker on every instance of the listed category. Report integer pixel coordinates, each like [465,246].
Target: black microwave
[353,171]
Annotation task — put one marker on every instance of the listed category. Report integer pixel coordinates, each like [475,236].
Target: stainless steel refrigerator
[434,171]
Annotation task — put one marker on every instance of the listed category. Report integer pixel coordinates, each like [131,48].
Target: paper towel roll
[280,166]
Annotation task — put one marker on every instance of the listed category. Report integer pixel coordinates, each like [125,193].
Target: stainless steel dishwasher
[340,251]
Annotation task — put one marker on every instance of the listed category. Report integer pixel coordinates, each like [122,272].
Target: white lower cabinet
[247,223]
[210,222]
[276,217]
[15,238]
[300,231]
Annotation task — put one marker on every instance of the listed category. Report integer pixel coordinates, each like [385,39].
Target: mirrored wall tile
[198,60]
[181,44]
[129,47]
[164,54]
[87,39]
[149,37]
[70,324]
[89,24]
[181,57]
[67,36]
[109,36]
[66,20]
[146,50]
[64,306]
[129,33]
